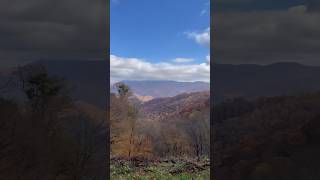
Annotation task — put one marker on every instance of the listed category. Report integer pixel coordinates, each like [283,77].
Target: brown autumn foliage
[124,124]
[268,138]
[44,136]
[179,128]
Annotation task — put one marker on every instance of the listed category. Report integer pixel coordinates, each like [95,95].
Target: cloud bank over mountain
[122,68]
[277,33]
[60,29]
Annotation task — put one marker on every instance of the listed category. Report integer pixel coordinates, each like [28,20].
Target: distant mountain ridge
[163,88]
[249,80]
[87,79]
[90,80]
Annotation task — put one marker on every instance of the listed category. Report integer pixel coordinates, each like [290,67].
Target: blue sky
[156,32]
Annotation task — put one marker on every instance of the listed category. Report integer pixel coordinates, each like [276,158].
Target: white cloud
[183,60]
[122,68]
[202,38]
[206,9]
[268,36]
[298,9]
[208,59]
[203,12]
[115,1]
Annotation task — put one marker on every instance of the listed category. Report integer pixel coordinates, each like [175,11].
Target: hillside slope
[268,138]
[160,108]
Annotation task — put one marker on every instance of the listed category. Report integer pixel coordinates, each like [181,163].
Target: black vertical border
[211,93]
[107,58]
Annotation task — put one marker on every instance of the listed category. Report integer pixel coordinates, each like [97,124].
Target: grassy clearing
[181,170]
